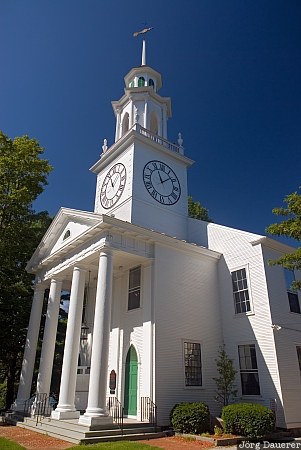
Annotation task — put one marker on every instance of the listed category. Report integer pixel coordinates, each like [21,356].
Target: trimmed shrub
[191,418]
[248,419]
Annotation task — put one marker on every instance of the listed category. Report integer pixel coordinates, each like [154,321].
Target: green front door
[130,383]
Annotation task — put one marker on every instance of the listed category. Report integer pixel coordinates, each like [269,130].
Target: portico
[107,249]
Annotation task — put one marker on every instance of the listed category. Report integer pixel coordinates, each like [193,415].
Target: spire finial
[143,59]
[145,30]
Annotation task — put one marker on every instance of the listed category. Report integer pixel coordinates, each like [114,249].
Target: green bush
[190,418]
[248,419]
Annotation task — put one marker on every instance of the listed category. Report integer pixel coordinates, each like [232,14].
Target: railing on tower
[116,410]
[149,135]
[158,139]
[148,411]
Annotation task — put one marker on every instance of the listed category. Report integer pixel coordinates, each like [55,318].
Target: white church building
[154,293]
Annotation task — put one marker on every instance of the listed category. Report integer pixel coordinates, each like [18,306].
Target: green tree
[291,228]
[23,176]
[197,211]
[225,382]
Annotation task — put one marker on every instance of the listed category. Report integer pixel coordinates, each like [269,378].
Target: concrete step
[71,431]
[124,437]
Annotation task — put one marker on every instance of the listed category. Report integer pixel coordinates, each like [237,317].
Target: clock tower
[142,177]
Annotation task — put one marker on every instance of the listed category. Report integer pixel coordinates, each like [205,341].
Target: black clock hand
[165,180]
[160,177]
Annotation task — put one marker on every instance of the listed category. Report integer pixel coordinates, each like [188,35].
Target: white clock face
[113,186]
[161,182]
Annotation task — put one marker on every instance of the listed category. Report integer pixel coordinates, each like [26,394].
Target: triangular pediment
[66,228]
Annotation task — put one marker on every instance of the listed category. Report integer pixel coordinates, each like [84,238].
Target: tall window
[248,370]
[134,288]
[298,348]
[291,293]
[240,291]
[141,82]
[193,364]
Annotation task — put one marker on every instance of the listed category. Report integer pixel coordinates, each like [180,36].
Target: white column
[66,408]
[49,337]
[96,412]
[164,123]
[118,125]
[146,123]
[30,348]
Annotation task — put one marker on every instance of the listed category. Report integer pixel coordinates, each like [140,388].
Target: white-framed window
[134,288]
[248,369]
[291,292]
[193,363]
[242,302]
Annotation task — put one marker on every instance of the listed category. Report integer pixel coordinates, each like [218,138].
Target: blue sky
[232,69]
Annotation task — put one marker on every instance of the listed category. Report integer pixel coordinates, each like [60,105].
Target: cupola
[141,104]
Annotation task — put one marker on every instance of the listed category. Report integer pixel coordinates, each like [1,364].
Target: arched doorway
[131,382]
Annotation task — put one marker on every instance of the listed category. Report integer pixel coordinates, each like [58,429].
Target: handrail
[116,411]
[148,411]
[37,406]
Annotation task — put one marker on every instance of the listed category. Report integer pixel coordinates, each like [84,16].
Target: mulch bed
[32,440]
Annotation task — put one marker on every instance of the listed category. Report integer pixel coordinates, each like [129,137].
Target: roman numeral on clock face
[113,186]
[161,182]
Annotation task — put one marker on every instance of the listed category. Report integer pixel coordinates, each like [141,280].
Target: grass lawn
[5,444]
[121,445]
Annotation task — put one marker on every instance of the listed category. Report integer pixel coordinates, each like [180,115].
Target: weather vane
[145,30]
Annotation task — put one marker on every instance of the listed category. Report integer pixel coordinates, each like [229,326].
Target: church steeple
[141,103]
[142,176]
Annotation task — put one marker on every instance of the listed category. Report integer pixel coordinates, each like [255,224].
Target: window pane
[248,370]
[134,288]
[134,299]
[250,383]
[135,278]
[193,365]
[294,302]
[240,291]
